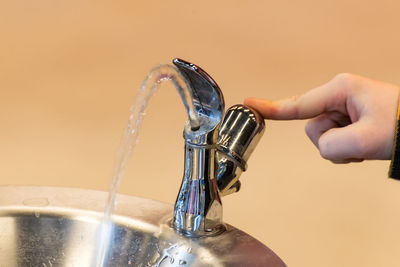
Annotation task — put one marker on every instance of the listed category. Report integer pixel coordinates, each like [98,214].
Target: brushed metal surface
[48,226]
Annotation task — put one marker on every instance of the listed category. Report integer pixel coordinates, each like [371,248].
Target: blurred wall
[70,69]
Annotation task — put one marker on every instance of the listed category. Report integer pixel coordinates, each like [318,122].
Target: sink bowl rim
[144,214]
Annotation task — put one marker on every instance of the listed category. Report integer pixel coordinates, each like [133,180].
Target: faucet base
[217,230]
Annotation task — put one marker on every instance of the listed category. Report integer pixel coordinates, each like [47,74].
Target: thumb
[350,142]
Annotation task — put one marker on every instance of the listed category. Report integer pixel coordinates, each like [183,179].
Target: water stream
[137,110]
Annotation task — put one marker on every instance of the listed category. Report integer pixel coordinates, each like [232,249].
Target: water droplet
[171,260]
[189,250]
[182,262]
[129,262]
[37,214]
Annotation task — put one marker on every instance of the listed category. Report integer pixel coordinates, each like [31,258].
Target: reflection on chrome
[215,154]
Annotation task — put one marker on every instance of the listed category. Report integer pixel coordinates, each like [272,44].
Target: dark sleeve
[394,171]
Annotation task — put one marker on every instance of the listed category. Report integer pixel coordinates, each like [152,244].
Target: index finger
[328,97]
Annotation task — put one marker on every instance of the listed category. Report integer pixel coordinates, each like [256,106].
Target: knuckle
[295,98]
[324,149]
[309,128]
[295,104]
[345,79]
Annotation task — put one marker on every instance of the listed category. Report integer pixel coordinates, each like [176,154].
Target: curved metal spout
[207,97]
[198,208]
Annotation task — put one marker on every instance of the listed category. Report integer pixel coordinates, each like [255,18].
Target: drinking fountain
[49,226]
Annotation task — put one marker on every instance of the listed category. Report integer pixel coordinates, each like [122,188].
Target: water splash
[166,255]
[150,85]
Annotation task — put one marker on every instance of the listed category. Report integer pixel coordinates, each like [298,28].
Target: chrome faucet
[216,153]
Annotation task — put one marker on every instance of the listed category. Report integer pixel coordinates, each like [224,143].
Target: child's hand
[352,118]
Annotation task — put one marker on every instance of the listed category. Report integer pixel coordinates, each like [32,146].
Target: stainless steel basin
[47,226]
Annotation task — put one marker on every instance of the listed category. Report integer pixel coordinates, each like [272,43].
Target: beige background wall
[69,71]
